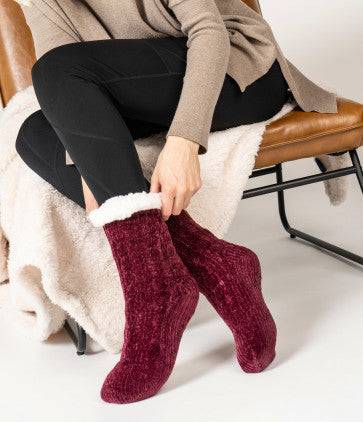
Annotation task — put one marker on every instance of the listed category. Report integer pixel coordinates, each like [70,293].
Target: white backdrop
[323,38]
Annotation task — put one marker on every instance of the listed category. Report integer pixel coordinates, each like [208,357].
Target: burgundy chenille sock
[230,277]
[160,298]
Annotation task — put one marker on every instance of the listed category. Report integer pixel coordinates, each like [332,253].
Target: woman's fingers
[167,200]
[155,183]
[185,193]
[186,201]
[181,197]
[174,196]
[175,199]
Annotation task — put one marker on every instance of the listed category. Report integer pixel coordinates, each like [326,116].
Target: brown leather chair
[296,135]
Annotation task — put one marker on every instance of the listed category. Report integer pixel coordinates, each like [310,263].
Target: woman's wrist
[183,142]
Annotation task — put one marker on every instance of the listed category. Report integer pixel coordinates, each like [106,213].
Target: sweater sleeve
[207,61]
[46,33]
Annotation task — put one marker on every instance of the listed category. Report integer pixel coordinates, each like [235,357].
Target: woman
[109,72]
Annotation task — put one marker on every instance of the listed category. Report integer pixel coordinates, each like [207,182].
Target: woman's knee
[50,72]
[26,138]
[36,141]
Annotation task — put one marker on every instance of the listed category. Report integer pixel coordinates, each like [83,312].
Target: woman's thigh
[141,78]
[156,96]
[260,101]
[144,80]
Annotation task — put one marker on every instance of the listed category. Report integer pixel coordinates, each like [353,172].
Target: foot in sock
[160,296]
[230,277]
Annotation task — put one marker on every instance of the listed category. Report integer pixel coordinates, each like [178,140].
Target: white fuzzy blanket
[59,264]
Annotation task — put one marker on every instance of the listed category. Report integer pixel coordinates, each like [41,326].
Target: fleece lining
[123,206]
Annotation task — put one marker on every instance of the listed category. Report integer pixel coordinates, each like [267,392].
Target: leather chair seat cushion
[302,134]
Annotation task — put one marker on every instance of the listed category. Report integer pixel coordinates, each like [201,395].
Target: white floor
[315,298]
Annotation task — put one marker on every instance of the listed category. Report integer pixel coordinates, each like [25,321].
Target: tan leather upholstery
[296,135]
[253,4]
[300,134]
[16,50]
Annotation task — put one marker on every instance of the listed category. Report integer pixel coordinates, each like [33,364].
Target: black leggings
[97,97]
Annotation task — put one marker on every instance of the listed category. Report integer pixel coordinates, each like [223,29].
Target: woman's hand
[176,175]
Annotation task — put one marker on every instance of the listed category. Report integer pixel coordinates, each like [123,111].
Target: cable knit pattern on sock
[160,298]
[230,277]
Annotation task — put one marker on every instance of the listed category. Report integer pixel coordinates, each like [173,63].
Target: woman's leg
[40,148]
[260,101]
[87,90]
[78,86]
[160,295]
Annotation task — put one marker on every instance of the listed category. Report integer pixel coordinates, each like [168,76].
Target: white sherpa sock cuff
[123,206]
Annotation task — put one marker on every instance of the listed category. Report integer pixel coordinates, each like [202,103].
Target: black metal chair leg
[358,167]
[81,340]
[281,202]
[312,239]
[78,336]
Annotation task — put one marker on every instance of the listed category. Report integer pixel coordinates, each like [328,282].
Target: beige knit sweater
[223,36]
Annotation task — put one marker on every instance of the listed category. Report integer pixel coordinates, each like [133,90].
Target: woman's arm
[177,173]
[207,61]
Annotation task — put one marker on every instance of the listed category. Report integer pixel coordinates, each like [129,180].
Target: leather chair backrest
[253,4]
[17,50]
